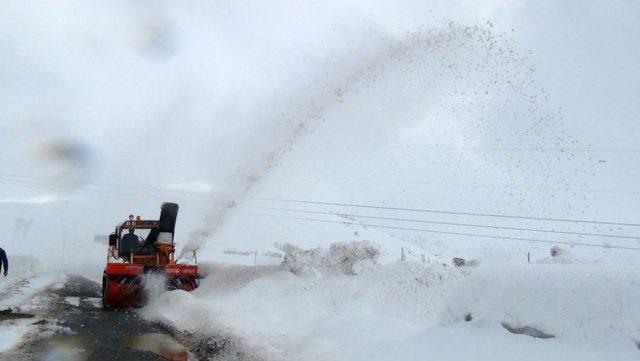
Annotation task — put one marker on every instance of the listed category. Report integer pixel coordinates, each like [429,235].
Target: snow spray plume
[154,286]
[489,67]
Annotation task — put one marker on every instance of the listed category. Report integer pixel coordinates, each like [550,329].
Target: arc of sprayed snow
[389,51]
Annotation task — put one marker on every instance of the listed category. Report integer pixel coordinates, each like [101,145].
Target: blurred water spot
[160,41]
[67,160]
[64,351]
[160,344]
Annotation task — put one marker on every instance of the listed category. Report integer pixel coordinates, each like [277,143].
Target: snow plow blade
[122,284]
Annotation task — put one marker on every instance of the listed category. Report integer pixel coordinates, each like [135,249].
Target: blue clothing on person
[4,261]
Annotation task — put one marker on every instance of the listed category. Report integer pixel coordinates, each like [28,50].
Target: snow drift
[435,105]
[341,257]
[19,293]
[406,310]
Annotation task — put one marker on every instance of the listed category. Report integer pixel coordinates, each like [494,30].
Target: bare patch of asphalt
[78,329]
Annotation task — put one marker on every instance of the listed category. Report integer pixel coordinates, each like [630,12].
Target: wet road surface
[84,331]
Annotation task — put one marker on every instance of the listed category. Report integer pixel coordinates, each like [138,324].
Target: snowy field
[415,311]
[22,292]
[330,160]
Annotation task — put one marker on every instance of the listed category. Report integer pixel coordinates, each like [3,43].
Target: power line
[474,185]
[505,149]
[393,181]
[121,195]
[83,191]
[127,186]
[89,192]
[70,187]
[444,223]
[27,183]
[443,212]
[530,149]
[106,194]
[451,233]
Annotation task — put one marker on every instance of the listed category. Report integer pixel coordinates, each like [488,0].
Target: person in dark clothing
[129,243]
[130,237]
[4,262]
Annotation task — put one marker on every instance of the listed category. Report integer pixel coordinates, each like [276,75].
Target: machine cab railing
[157,249]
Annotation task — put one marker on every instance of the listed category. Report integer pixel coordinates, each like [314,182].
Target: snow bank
[18,292]
[579,304]
[24,280]
[592,311]
[341,257]
[11,335]
[407,310]
[323,314]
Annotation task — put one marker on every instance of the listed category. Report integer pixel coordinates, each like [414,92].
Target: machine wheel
[168,215]
[105,290]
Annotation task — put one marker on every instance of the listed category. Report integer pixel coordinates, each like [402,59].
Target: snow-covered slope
[409,311]
[18,293]
[314,123]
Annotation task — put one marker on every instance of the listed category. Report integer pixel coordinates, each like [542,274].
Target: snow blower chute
[133,255]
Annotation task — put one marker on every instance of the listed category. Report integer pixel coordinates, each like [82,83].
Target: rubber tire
[105,289]
[168,216]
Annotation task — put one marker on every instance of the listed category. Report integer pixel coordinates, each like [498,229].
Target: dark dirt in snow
[88,332]
[527,330]
[10,315]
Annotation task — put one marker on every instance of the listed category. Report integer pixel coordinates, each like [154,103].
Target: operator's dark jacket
[4,261]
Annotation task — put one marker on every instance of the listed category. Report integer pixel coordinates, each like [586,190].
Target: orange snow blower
[132,256]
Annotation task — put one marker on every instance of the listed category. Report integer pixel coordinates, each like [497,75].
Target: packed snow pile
[343,257]
[569,301]
[331,305]
[533,312]
[20,293]
[21,266]
[340,304]
[26,278]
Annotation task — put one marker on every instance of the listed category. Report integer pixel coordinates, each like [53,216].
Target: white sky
[199,96]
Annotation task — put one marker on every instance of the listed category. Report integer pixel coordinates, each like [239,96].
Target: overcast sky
[103,104]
